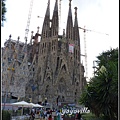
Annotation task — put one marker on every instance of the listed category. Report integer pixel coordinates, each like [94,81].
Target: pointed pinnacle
[10,36]
[38,29]
[32,33]
[75,10]
[70,2]
[18,38]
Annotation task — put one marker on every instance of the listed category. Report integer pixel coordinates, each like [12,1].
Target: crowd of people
[47,114]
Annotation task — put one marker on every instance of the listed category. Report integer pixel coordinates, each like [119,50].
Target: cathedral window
[3,64]
[44,35]
[50,45]
[40,46]
[77,83]
[23,67]
[46,89]
[68,94]
[48,79]
[12,80]
[60,62]
[40,78]
[3,82]
[78,54]
[60,88]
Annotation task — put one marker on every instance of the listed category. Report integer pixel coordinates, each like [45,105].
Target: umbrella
[37,105]
[32,104]
[22,104]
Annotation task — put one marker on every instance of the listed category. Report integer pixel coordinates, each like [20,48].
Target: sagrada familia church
[46,68]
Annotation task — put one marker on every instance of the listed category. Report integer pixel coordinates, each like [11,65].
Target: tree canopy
[101,93]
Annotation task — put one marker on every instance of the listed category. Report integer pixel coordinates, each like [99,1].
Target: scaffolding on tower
[28,21]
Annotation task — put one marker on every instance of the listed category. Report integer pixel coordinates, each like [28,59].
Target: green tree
[3,11]
[101,93]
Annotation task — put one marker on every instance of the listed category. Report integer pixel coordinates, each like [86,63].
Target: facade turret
[70,41]
[76,38]
[54,22]
[54,36]
[69,27]
[76,30]
[46,24]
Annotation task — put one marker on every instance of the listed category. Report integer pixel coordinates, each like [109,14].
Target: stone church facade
[52,65]
[14,66]
[56,70]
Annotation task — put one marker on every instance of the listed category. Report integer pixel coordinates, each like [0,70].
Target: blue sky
[97,15]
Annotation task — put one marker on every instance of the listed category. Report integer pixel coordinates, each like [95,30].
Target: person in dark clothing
[50,117]
[79,116]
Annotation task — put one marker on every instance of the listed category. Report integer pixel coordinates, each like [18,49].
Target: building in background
[49,67]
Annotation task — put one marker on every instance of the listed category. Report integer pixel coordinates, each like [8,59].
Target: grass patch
[90,116]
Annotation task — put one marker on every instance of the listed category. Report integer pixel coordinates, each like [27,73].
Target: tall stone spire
[55,24]
[76,29]
[24,49]
[16,47]
[10,47]
[46,23]
[69,27]
[56,6]
[48,9]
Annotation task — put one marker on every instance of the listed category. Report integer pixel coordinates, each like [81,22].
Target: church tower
[58,68]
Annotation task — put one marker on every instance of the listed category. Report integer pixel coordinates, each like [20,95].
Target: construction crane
[28,21]
[60,10]
[59,14]
[85,47]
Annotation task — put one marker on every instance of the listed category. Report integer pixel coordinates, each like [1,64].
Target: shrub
[6,115]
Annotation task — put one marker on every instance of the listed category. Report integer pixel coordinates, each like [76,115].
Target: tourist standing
[59,115]
[79,116]
[50,117]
